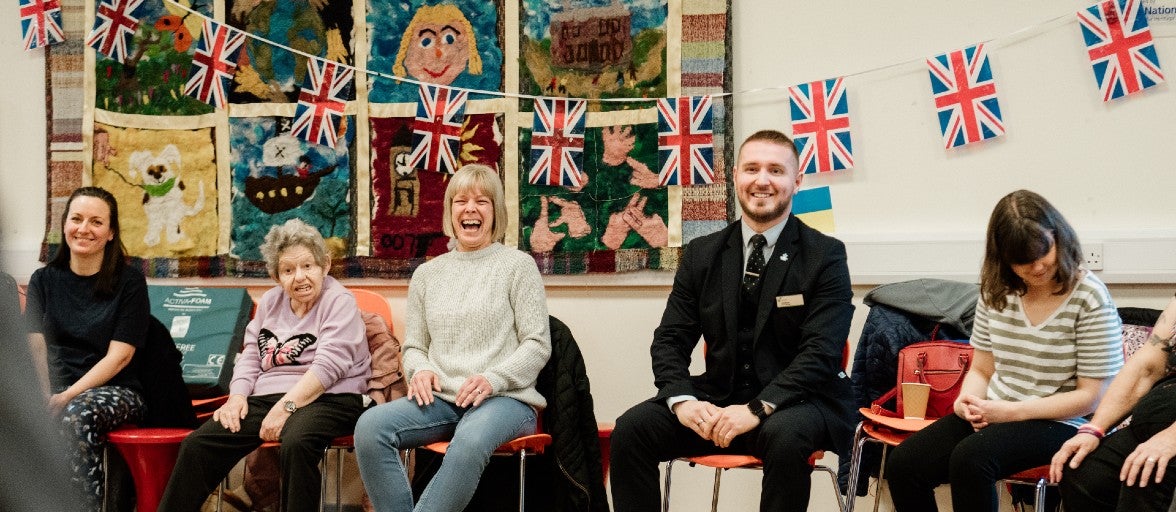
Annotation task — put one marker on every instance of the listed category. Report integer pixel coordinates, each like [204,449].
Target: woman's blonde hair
[284,236]
[483,179]
[438,14]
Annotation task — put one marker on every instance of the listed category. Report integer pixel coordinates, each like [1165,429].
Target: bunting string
[733,94]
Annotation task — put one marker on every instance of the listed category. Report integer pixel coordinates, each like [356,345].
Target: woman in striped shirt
[1048,339]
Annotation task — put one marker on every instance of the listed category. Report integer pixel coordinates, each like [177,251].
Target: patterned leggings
[84,424]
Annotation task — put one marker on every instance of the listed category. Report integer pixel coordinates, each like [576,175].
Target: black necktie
[755,264]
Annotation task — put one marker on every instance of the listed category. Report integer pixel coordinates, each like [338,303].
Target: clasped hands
[981,412]
[720,425]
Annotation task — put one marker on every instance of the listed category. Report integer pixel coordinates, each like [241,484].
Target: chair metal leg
[836,490]
[339,479]
[715,492]
[522,480]
[881,477]
[666,491]
[855,467]
[1039,498]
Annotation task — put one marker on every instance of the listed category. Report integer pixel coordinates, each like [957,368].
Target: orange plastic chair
[724,462]
[525,446]
[1038,477]
[371,302]
[870,432]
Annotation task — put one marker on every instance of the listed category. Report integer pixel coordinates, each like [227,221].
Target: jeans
[386,429]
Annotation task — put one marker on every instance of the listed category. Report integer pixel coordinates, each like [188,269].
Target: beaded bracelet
[1092,430]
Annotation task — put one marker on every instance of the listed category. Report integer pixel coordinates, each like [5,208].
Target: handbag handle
[921,362]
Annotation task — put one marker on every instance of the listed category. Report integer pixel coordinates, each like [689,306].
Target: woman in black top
[88,312]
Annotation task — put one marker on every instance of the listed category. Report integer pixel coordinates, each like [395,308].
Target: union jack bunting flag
[1119,43]
[965,96]
[557,142]
[114,26]
[685,141]
[321,102]
[40,23]
[436,131]
[820,125]
[214,63]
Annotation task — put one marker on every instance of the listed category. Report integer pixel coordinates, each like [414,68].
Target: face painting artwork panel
[456,43]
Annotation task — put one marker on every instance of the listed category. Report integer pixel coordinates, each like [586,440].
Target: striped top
[1082,338]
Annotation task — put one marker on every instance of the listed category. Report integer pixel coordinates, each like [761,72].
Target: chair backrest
[373,302]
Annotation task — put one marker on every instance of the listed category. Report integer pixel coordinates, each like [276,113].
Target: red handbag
[942,364]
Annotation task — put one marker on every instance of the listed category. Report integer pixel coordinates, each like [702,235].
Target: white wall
[1108,167]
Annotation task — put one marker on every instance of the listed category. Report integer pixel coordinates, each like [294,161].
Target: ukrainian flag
[814,206]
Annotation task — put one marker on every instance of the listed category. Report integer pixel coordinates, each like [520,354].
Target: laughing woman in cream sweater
[477,336]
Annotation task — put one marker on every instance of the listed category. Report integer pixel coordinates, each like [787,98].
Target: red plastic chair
[1038,477]
[724,462]
[525,446]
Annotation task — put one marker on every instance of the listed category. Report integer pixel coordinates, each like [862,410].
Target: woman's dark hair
[113,257]
[1021,230]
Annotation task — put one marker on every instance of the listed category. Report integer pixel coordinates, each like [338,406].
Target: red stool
[604,435]
[151,455]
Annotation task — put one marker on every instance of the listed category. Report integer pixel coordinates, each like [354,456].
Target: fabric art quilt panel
[214,120]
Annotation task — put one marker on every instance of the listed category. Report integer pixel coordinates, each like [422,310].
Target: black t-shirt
[78,326]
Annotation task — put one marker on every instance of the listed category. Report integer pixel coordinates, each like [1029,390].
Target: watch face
[291,406]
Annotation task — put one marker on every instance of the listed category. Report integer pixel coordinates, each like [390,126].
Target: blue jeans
[474,433]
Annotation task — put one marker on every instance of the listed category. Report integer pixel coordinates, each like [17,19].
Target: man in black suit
[771,298]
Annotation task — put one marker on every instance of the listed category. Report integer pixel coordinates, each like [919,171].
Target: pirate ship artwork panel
[277,176]
[593,49]
[165,183]
[144,58]
[454,43]
[269,74]
[407,202]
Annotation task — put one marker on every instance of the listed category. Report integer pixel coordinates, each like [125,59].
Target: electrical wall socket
[1092,255]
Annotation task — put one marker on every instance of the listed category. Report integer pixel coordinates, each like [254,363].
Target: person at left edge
[300,379]
[773,385]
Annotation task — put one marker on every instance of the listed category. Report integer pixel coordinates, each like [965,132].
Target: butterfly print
[278,353]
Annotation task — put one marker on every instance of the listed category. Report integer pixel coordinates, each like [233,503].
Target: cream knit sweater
[481,312]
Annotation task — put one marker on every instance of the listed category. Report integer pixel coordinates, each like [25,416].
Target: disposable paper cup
[914,400]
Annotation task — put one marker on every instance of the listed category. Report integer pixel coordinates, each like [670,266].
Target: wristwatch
[290,406]
[757,408]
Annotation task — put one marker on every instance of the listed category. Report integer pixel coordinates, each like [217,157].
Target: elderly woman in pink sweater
[300,379]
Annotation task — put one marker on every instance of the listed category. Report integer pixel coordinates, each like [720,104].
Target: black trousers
[209,453]
[649,434]
[1095,485]
[949,451]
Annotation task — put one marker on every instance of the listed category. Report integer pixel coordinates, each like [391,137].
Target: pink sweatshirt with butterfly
[329,342]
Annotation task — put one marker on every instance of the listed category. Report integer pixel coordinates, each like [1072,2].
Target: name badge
[789,301]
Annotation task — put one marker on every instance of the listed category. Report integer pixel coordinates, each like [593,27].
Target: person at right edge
[771,298]
[1125,470]
[1048,339]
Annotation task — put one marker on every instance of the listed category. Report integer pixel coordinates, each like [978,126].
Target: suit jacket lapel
[732,272]
[774,272]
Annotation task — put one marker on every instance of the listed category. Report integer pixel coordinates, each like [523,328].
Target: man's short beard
[766,218]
